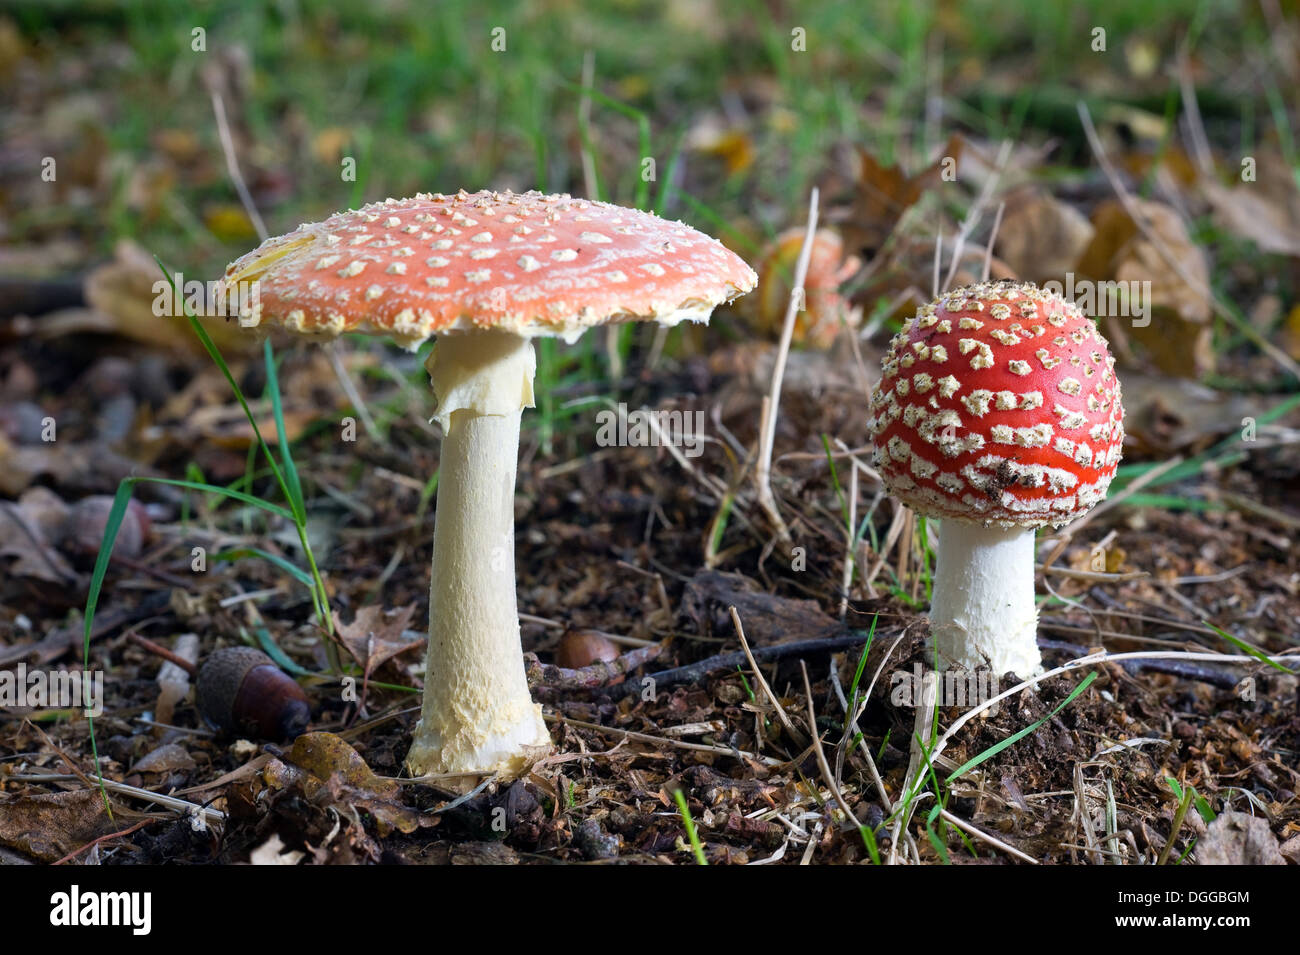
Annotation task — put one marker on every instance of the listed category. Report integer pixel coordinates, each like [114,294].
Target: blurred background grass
[417,95]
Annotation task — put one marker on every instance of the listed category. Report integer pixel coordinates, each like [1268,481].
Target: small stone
[594,842]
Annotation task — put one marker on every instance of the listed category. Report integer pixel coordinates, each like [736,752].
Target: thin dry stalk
[761,680]
[350,390]
[135,792]
[905,806]
[662,741]
[855,731]
[772,404]
[850,535]
[232,166]
[1192,110]
[993,236]
[996,843]
[822,764]
[976,212]
[902,517]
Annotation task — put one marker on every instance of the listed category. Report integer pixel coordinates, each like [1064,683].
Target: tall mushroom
[487,272]
[998,412]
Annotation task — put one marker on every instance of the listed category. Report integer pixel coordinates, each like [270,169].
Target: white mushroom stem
[982,612]
[478,716]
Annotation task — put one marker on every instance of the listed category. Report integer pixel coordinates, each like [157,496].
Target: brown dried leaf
[123,290]
[324,755]
[49,826]
[1235,838]
[1265,211]
[325,769]
[21,537]
[1178,334]
[1291,850]
[1165,415]
[168,758]
[884,193]
[376,635]
[1040,237]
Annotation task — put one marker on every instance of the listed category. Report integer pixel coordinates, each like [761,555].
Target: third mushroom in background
[998,412]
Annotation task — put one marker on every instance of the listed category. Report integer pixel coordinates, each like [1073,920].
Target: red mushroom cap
[998,404]
[528,263]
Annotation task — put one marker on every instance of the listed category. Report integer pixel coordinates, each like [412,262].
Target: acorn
[83,530]
[240,690]
[582,648]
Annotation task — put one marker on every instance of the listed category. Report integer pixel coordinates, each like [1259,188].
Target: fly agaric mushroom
[998,411]
[489,272]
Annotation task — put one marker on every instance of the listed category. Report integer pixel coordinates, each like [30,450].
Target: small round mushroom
[487,272]
[998,412]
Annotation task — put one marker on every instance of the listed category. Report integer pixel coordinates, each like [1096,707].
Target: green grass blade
[112,525]
[239,553]
[294,485]
[689,824]
[670,173]
[210,346]
[1016,737]
[272,650]
[1203,807]
[749,691]
[1171,502]
[937,843]
[257,502]
[835,482]
[857,674]
[1246,647]
[643,133]
[1192,466]
[869,840]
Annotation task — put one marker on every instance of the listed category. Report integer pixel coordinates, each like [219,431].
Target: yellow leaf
[229,223]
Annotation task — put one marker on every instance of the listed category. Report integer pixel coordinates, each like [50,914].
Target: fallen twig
[592,677]
[663,741]
[112,835]
[171,802]
[729,661]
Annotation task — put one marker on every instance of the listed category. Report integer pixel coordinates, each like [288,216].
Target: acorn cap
[240,689]
[998,404]
[526,263]
[220,678]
